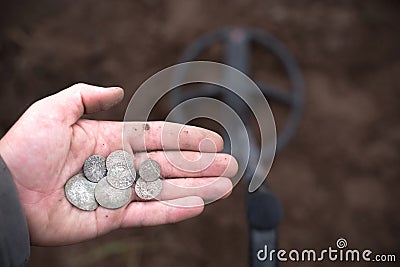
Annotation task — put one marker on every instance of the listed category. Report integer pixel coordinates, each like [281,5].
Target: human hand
[50,143]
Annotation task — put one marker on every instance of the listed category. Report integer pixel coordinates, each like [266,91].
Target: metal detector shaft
[263,209]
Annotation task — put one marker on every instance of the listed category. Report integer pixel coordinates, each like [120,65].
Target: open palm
[50,143]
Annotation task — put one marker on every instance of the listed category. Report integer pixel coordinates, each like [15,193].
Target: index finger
[158,135]
[142,136]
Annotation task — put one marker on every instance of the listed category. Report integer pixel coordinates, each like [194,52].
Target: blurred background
[339,176]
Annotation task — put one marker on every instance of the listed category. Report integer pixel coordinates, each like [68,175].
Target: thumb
[70,104]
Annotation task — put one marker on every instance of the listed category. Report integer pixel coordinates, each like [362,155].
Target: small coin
[110,197]
[80,192]
[150,170]
[121,177]
[95,168]
[148,190]
[118,158]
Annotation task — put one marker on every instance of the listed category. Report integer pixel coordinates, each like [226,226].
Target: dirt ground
[339,176]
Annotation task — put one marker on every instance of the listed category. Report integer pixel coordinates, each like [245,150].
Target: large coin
[80,192]
[118,158]
[121,177]
[95,168]
[150,170]
[148,190]
[110,197]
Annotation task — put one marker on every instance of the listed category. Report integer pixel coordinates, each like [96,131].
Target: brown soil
[339,177]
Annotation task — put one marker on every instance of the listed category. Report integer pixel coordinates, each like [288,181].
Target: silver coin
[118,158]
[95,168]
[121,177]
[80,192]
[150,170]
[110,197]
[148,190]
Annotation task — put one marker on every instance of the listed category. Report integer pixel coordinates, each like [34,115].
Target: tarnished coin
[80,192]
[119,158]
[121,177]
[148,190]
[110,197]
[150,170]
[95,168]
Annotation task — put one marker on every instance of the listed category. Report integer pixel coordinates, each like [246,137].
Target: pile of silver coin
[108,182]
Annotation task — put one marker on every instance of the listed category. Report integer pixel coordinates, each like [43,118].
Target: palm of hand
[59,152]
